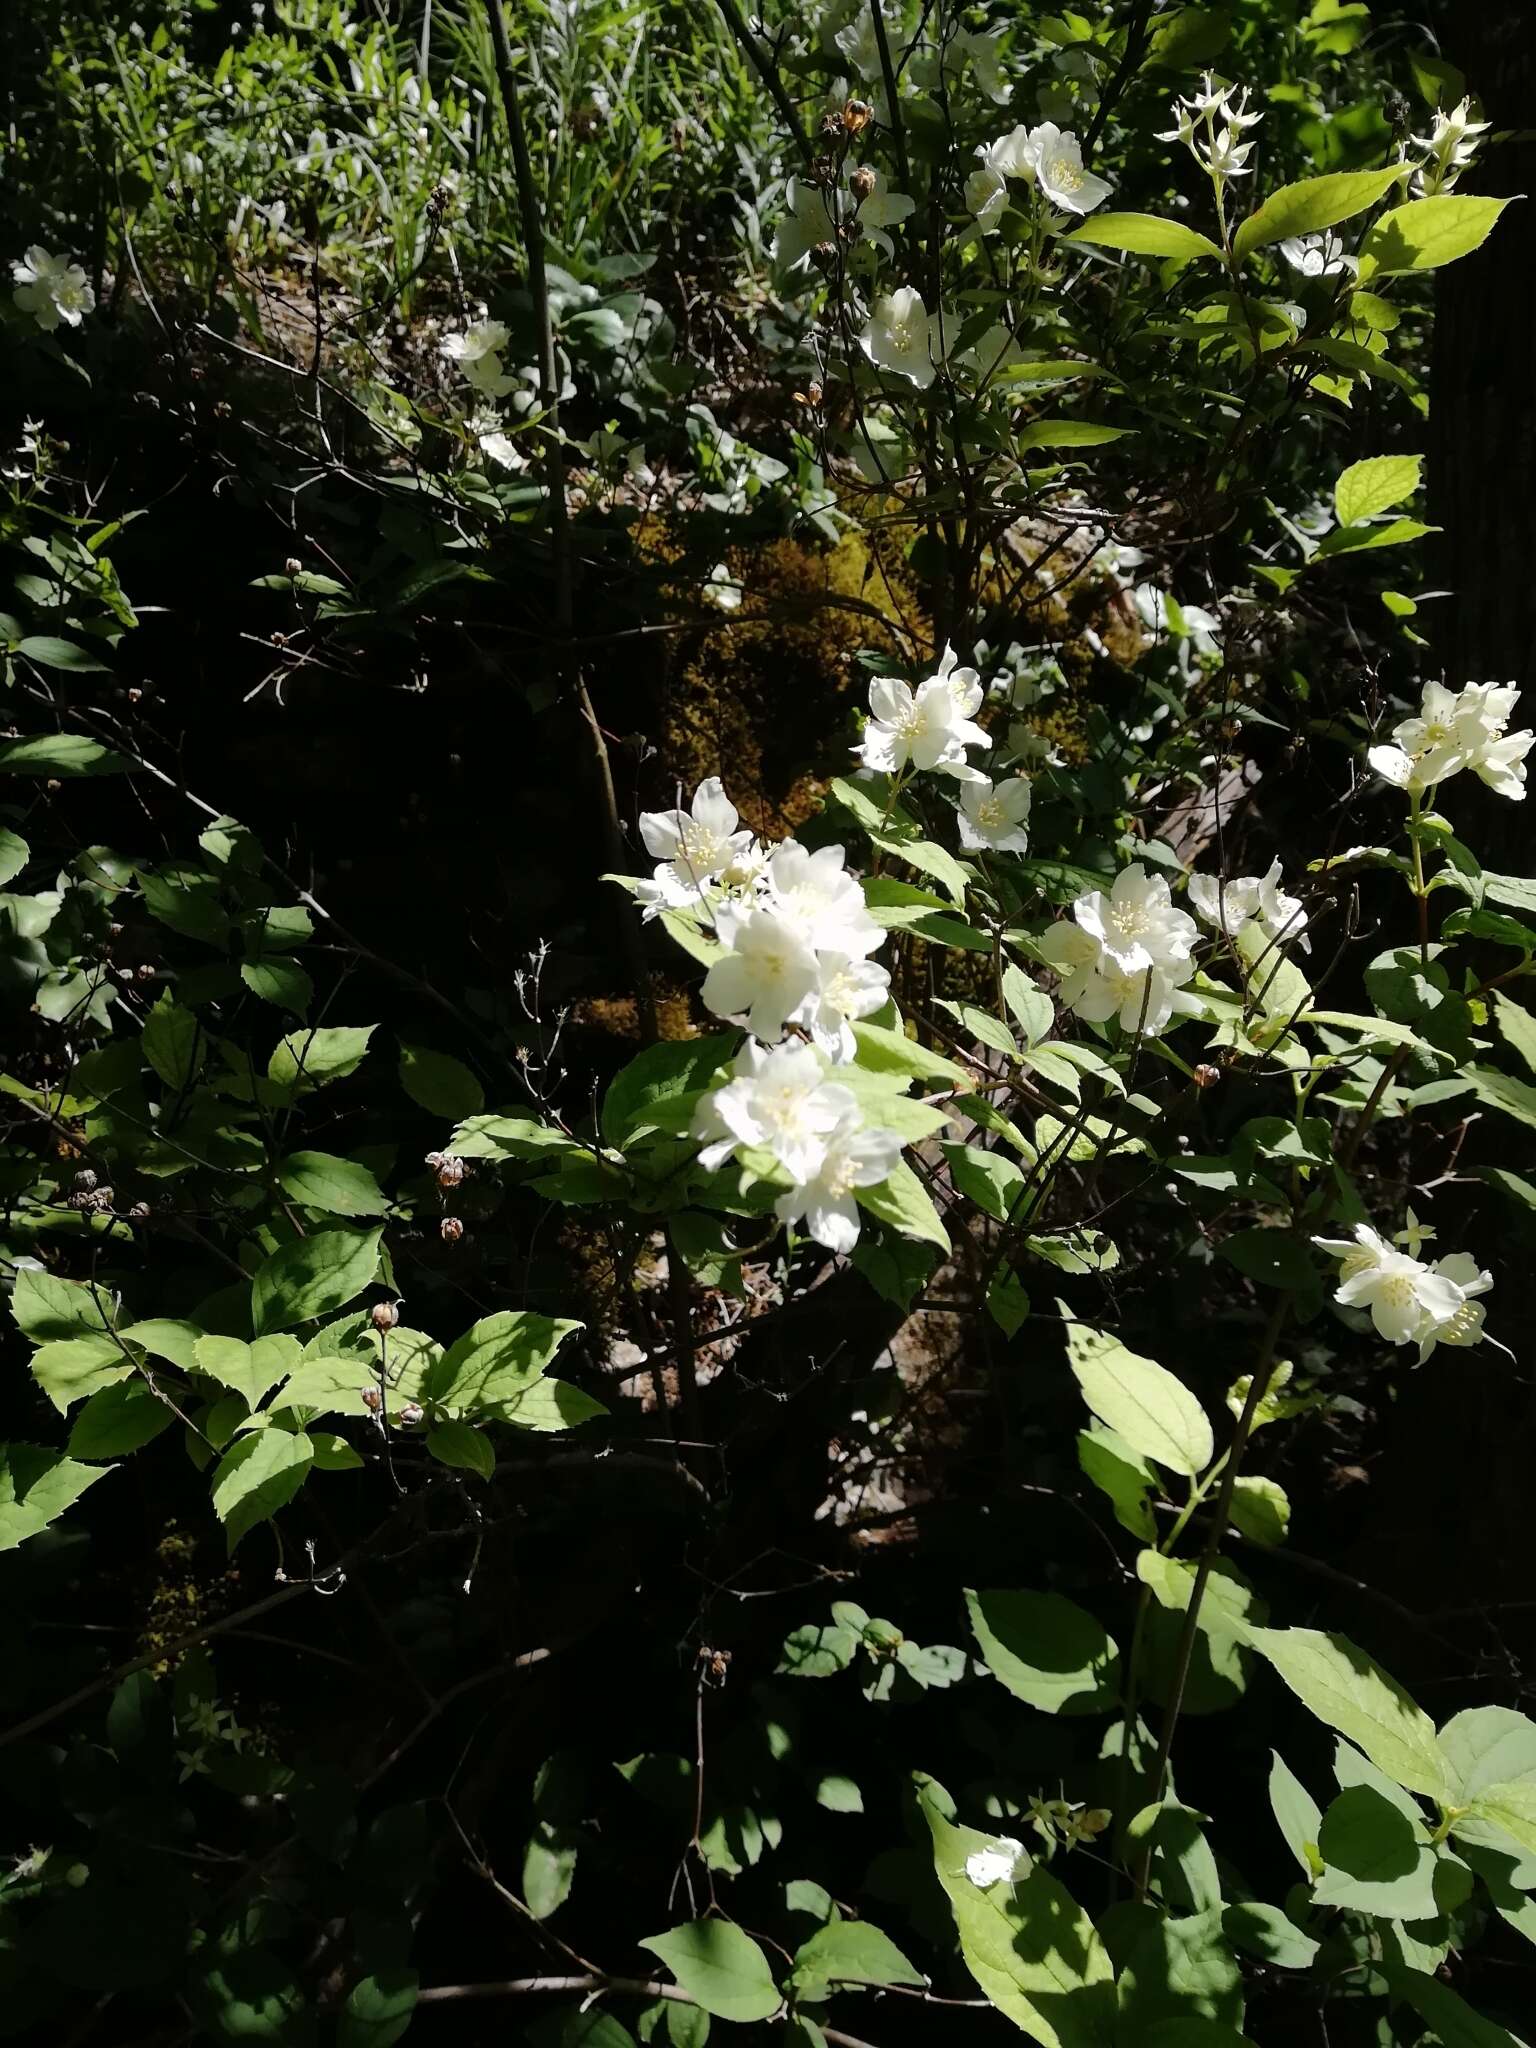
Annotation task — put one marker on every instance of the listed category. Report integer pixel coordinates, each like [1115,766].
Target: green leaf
[118,1420]
[379,2008]
[14,855]
[58,753]
[284,983]
[74,1368]
[249,1370]
[1372,486]
[853,1952]
[1261,1509]
[259,1474]
[547,1405]
[497,1361]
[1110,1464]
[1342,1686]
[1031,1007]
[1517,1027]
[1377,1860]
[1511,1808]
[657,1079]
[440,1083]
[464,1448]
[1144,234]
[928,858]
[839,1794]
[721,1969]
[1268,1935]
[1454,2022]
[36,1486]
[902,1200]
[990,1179]
[1503,1091]
[1046,1650]
[1029,1945]
[1485,1746]
[1178,1970]
[1428,232]
[320,1180]
[1066,434]
[311,1059]
[46,1307]
[892,1052]
[55,653]
[173,1044]
[507,1137]
[1189,38]
[1298,1814]
[164,1337]
[1141,1401]
[1314,203]
[813,1652]
[312,1276]
[1273,1257]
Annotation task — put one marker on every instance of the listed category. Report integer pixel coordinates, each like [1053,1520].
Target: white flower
[996,1863]
[477,351]
[1136,925]
[995,816]
[882,209]
[930,727]
[848,987]
[807,223]
[778,1100]
[1449,148]
[502,449]
[766,975]
[853,1159]
[1455,730]
[1126,954]
[1465,1327]
[815,897]
[1055,160]
[51,289]
[986,193]
[984,53]
[1406,1298]
[692,847]
[1250,900]
[1320,255]
[903,337]
[1220,148]
[722,588]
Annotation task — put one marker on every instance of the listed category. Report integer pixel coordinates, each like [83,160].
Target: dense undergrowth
[765,1068]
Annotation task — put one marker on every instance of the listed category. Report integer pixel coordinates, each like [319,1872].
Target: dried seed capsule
[862,183]
[452,1229]
[411,1414]
[384,1315]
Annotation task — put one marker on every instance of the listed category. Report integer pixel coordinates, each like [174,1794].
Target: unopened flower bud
[293,566]
[862,183]
[373,1400]
[452,1229]
[384,1315]
[1206,1077]
[450,1170]
[411,1414]
[857,116]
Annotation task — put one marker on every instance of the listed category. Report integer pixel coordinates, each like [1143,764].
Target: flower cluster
[1216,143]
[780,1100]
[1458,729]
[1048,158]
[797,940]
[1251,900]
[52,289]
[1449,149]
[477,351]
[929,727]
[1410,1302]
[1127,953]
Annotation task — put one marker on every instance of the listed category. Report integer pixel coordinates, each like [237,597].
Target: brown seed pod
[452,1229]
[862,183]
[384,1315]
